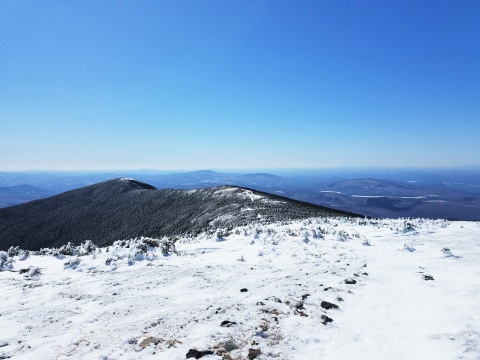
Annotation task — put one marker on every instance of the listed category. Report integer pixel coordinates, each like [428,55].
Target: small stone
[328,305]
[273,298]
[259,303]
[301,313]
[253,353]
[227,323]
[350,281]
[366,274]
[325,319]
[339,298]
[274,312]
[244,290]
[304,297]
[428,277]
[197,354]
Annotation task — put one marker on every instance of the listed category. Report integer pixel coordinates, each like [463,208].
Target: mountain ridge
[126,208]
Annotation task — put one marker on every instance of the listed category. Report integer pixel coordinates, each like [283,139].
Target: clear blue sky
[238,84]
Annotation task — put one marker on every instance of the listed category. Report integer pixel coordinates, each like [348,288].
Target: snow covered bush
[86,248]
[3,259]
[168,247]
[13,251]
[34,271]
[72,263]
[67,249]
[23,254]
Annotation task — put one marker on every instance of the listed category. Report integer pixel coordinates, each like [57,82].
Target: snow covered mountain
[126,208]
[319,288]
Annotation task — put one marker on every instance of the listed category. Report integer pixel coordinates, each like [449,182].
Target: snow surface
[90,310]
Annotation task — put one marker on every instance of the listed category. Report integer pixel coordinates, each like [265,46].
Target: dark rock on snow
[244,290]
[350,281]
[227,323]
[328,305]
[326,319]
[253,353]
[197,354]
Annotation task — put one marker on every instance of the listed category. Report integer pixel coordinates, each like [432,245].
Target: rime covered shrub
[13,251]
[67,249]
[72,263]
[3,259]
[168,247]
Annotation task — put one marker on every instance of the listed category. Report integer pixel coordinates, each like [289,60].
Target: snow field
[92,310]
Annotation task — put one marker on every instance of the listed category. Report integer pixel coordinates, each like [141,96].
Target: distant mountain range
[126,208]
[452,194]
[18,194]
[381,198]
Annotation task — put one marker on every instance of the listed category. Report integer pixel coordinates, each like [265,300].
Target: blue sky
[238,84]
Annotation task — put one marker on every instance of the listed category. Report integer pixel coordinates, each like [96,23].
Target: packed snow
[405,289]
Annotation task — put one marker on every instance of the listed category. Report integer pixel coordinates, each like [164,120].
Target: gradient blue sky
[238,84]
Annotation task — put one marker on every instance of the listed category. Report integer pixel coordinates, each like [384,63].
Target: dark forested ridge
[126,208]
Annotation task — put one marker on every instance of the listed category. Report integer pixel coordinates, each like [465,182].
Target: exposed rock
[244,290]
[325,319]
[227,323]
[253,353]
[350,281]
[274,312]
[339,298]
[304,297]
[328,305]
[428,277]
[149,340]
[273,298]
[264,327]
[301,313]
[197,354]
[230,346]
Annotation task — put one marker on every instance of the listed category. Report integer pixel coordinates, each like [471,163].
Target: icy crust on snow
[406,289]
